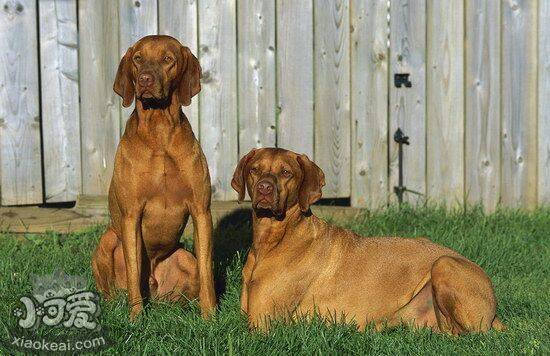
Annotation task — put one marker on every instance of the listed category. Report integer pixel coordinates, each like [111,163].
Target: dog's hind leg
[177,277]
[464,300]
[103,263]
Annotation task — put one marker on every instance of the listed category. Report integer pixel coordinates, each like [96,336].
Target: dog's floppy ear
[312,183]
[239,181]
[124,81]
[190,77]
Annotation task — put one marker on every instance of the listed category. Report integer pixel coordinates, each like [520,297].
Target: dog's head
[277,179]
[156,67]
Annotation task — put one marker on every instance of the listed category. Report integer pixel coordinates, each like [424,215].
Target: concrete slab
[92,210]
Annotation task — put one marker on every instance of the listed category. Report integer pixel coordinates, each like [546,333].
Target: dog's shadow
[232,237]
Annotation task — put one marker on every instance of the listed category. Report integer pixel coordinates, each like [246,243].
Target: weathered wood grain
[311,76]
[138,19]
[20,166]
[100,106]
[332,95]
[218,98]
[60,94]
[519,103]
[256,74]
[544,104]
[295,75]
[445,102]
[482,129]
[369,98]
[408,105]
[178,18]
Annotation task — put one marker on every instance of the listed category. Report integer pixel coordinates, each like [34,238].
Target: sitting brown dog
[160,177]
[299,264]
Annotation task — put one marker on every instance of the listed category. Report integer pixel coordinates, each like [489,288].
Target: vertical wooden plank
[218,98]
[256,72]
[408,105]
[482,151]
[138,18]
[519,103]
[295,75]
[21,172]
[60,107]
[332,97]
[543,102]
[100,106]
[369,98]
[178,18]
[445,102]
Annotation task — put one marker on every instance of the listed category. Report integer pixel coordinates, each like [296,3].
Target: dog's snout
[146,79]
[265,187]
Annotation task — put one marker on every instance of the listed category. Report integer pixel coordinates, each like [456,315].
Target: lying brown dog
[299,264]
[160,177]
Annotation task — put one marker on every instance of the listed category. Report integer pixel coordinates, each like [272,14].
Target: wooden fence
[314,76]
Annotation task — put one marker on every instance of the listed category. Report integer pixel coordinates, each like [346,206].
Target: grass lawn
[513,248]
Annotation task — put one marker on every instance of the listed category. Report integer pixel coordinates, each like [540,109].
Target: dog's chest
[164,174]
[278,284]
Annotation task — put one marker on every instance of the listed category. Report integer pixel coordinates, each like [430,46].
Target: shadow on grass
[232,239]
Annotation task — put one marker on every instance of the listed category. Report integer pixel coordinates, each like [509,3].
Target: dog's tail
[498,325]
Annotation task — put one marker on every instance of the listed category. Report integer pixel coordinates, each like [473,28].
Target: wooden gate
[314,76]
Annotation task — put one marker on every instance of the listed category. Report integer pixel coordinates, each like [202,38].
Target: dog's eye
[253,170]
[168,59]
[286,173]
[137,59]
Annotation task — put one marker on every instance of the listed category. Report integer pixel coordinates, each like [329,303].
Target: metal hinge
[400,79]
[399,189]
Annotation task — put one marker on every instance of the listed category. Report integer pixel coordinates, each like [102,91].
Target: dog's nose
[145,79]
[265,187]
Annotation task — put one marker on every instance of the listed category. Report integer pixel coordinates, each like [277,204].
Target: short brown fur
[160,178]
[299,264]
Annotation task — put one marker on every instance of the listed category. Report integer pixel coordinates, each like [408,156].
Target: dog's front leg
[202,222]
[247,274]
[131,245]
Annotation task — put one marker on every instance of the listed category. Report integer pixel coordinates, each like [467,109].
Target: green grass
[512,247]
